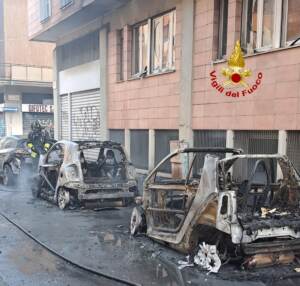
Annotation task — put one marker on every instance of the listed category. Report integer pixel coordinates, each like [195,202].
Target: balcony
[14,74]
[64,20]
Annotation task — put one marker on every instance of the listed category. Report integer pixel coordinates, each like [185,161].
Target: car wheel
[7,175]
[137,221]
[63,198]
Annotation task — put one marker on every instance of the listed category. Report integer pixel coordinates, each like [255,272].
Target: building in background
[138,72]
[25,73]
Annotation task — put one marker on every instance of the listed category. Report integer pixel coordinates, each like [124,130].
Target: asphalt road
[100,240]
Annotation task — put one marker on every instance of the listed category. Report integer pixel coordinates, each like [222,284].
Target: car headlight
[72,172]
[131,172]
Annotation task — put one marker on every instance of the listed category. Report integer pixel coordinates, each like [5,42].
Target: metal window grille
[254,142]
[117,135]
[162,146]
[139,145]
[45,9]
[208,138]
[293,148]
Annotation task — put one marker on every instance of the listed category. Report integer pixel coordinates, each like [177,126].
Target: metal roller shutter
[64,118]
[45,119]
[85,108]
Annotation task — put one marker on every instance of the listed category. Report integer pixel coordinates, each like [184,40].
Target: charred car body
[15,159]
[76,172]
[246,205]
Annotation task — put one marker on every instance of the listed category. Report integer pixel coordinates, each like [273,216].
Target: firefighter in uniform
[38,141]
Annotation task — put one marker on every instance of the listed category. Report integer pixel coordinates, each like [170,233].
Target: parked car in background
[245,205]
[15,159]
[74,173]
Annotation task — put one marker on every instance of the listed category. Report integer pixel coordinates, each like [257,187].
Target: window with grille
[139,147]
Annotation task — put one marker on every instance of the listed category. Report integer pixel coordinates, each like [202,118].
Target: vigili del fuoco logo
[236,75]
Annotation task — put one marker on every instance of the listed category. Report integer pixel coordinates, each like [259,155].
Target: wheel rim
[135,221]
[63,199]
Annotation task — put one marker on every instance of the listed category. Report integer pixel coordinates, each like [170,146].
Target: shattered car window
[56,155]
[100,163]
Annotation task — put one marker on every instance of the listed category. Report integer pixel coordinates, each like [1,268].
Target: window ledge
[151,75]
[67,5]
[45,20]
[257,53]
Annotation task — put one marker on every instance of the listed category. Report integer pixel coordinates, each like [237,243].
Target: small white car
[73,173]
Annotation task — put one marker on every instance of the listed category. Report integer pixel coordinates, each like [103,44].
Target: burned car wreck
[245,205]
[74,173]
[15,159]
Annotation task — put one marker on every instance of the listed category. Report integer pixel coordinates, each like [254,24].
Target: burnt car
[245,205]
[15,159]
[74,173]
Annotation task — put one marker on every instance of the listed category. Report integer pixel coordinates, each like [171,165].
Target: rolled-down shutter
[45,119]
[85,108]
[64,117]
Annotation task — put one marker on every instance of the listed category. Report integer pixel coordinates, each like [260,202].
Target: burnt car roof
[100,144]
[212,150]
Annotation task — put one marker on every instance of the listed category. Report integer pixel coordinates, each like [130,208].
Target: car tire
[63,198]
[8,176]
[138,221]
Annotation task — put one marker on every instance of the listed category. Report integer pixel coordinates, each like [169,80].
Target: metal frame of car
[72,159]
[204,202]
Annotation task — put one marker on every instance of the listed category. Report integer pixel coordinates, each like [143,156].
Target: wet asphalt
[100,240]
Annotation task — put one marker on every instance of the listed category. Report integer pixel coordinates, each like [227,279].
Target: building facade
[25,73]
[142,72]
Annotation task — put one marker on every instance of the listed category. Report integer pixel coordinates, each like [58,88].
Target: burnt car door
[50,169]
[168,197]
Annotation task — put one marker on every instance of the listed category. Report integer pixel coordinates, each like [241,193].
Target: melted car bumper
[103,191]
[104,196]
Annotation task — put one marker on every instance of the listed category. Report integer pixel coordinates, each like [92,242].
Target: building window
[269,24]
[139,148]
[65,3]
[154,45]
[223,22]
[120,54]
[45,9]
[163,40]
[117,135]
[254,142]
[162,147]
[140,48]
[291,23]
[208,138]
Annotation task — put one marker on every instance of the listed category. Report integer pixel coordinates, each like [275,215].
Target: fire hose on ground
[77,265]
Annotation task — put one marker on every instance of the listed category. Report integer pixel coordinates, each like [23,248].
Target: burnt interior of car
[263,200]
[103,164]
[173,190]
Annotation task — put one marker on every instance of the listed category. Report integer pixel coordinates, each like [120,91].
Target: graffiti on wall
[87,122]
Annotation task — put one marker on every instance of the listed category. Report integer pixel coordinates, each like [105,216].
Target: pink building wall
[275,105]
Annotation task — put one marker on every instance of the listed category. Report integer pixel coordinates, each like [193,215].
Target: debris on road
[208,258]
